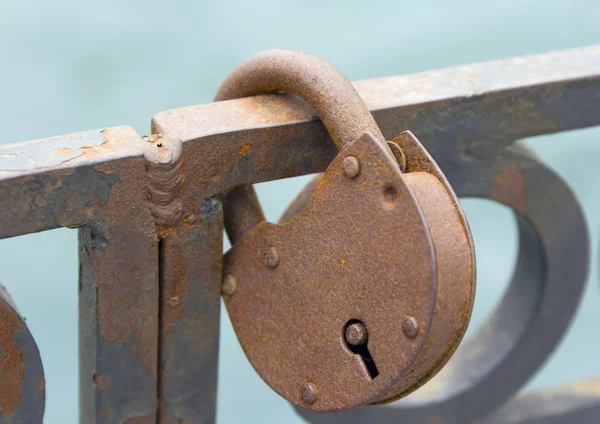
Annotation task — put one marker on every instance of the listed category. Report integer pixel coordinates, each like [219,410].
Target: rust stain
[245,149]
[12,366]
[122,242]
[509,188]
[40,200]
[64,151]
[387,214]
[420,221]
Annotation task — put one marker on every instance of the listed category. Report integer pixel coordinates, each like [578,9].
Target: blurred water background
[70,65]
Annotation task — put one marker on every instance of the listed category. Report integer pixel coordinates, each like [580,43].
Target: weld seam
[164,179]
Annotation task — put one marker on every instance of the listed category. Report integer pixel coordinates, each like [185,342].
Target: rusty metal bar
[190,250]
[56,182]
[96,180]
[118,302]
[191,257]
[476,109]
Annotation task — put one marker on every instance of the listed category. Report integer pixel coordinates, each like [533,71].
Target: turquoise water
[70,65]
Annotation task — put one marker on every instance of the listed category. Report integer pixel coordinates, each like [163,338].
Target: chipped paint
[48,152]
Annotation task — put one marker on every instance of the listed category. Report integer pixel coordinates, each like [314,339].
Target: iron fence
[150,284]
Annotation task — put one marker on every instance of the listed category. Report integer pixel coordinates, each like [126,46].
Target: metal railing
[150,285]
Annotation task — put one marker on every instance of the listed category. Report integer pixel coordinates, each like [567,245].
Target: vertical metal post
[118,303]
[190,228]
[191,256]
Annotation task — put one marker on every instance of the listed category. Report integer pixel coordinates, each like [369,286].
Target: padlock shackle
[324,88]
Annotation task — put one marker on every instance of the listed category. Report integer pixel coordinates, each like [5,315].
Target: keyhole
[356,337]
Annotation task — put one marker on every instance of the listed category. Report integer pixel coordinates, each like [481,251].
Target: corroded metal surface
[324,88]
[333,98]
[533,315]
[191,244]
[449,110]
[471,109]
[335,269]
[242,212]
[430,290]
[52,183]
[455,260]
[96,180]
[191,257]
[118,299]
[22,383]
[452,316]
[290,318]
[466,116]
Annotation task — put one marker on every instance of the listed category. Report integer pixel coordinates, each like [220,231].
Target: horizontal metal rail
[125,192]
[477,108]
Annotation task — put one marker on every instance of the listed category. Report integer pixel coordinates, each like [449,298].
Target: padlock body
[360,250]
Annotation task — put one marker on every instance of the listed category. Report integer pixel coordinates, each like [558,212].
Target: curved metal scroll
[535,312]
[22,383]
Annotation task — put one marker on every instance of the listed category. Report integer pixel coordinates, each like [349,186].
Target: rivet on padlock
[365,294]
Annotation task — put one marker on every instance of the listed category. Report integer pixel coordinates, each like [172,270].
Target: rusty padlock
[364,295]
